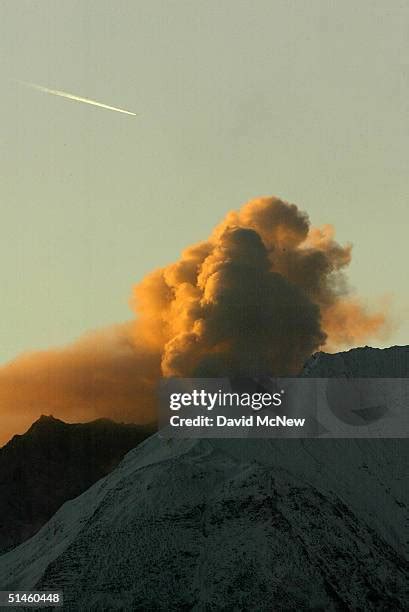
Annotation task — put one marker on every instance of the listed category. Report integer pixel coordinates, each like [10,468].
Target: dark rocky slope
[52,463]
[235,525]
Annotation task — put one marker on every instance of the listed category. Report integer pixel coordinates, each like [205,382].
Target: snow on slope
[247,524]
[360,362]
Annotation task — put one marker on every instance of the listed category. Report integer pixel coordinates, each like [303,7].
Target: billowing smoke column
[258,297]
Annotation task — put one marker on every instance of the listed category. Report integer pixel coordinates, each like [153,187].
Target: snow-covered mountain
[360,363]
[234,525]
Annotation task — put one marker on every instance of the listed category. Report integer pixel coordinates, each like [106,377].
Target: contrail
[69,96]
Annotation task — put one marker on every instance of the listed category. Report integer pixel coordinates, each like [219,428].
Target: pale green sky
[305,100]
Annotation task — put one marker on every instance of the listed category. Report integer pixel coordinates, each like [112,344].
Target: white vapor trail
[69,96]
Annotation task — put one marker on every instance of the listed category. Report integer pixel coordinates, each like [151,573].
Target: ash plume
[258,297]
[101,375]
[261,294]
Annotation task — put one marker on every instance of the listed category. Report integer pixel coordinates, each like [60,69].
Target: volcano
[236,524]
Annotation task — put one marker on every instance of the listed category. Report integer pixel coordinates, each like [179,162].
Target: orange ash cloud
[261,294]
[258,297]
[100,375]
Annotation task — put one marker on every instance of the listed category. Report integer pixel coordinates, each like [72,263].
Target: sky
[307,101]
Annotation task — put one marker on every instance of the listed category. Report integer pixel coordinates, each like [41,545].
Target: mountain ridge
[249,524]
[52,462]
[390,362]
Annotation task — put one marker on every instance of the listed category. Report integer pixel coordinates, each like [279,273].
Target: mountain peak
[359,362]
[48,418]
[45,423]
[52,462]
